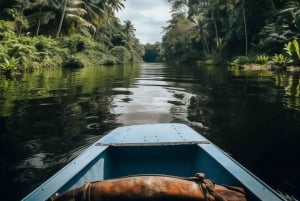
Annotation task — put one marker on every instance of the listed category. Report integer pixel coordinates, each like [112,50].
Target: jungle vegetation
[49,33]
[234,30]
[152,52]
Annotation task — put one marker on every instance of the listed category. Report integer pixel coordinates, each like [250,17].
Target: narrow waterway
[48,118]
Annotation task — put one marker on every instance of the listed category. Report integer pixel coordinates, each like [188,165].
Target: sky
[148,18]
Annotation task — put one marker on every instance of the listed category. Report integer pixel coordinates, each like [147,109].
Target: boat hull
[170,149]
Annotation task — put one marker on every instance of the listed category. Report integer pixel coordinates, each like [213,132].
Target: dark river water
[48,118]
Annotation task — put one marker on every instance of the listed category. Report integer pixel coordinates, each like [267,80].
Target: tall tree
[64,7]
[39,12]
[200,31]
[84,13]
[116,5]
[129,29]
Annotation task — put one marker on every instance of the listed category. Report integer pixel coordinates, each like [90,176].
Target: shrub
[135,57]
[262,59]
[121,53]
[9,64]
[78,43]
[292,48]
[241,60]
[7,26]
[281,60]
[73,62]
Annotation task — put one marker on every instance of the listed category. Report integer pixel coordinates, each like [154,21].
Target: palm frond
[76,11]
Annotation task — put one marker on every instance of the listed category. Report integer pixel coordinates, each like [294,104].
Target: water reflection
[153,97]
[146,101]
[48,118]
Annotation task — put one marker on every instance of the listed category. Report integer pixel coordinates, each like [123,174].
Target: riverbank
[21,53]
[261,67]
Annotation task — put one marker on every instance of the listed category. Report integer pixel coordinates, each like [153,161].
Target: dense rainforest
[38,34]
[241,31]
[49,33]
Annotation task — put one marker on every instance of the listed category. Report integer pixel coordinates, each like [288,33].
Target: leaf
[296,48]
[76,11]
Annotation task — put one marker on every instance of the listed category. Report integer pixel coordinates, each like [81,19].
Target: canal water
[49,117]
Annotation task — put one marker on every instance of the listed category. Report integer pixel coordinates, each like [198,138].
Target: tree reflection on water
[48,118]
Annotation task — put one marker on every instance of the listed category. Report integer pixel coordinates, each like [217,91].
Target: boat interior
[175,160]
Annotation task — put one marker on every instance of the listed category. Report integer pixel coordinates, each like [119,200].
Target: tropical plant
[215,16]
[200,31]
[72,11]
[292,48]
[115,5]
[20,21]
[129,29]
[71,19]
[241,60]
[39,12]
[121,53]
[178,6]
[293,7]
[262,59]
[177,39]
[9,64]
[281,60]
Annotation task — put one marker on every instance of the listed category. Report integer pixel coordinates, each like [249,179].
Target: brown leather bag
[153,187]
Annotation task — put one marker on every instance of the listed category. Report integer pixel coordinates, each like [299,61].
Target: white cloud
[148,17]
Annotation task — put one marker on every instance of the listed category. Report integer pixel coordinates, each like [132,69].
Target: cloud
[148,17]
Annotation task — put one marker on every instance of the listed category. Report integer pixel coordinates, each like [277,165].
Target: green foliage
[151,52]
[281,60]
[89,45]
[20,21]
[109,60]
[77,43]
[292,48]
[177,44]
[9,64]
[241,60]
[73,62]
[262,59]
[227,28]
[135,56]
[6,26]
[121,53]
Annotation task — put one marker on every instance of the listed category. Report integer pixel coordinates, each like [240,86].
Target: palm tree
[200,31]
[83,13]
[293,7]
[179,6]
[95,10]
[129,29]
[40,12]
[214,10]
[64,4]
[116,5]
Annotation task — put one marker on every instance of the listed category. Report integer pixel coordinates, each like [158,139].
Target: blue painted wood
[173,149]
[153,134]
[65,175]
[257,188]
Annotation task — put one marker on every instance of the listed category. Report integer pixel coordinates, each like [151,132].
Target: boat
[160,149]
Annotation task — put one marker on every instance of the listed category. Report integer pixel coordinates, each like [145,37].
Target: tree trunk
[39,24]
[38,28]
[61,19]
[216,28]
[207,47]
[245,29]
[217,34]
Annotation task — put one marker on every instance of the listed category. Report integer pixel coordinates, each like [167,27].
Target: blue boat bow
[172,149]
